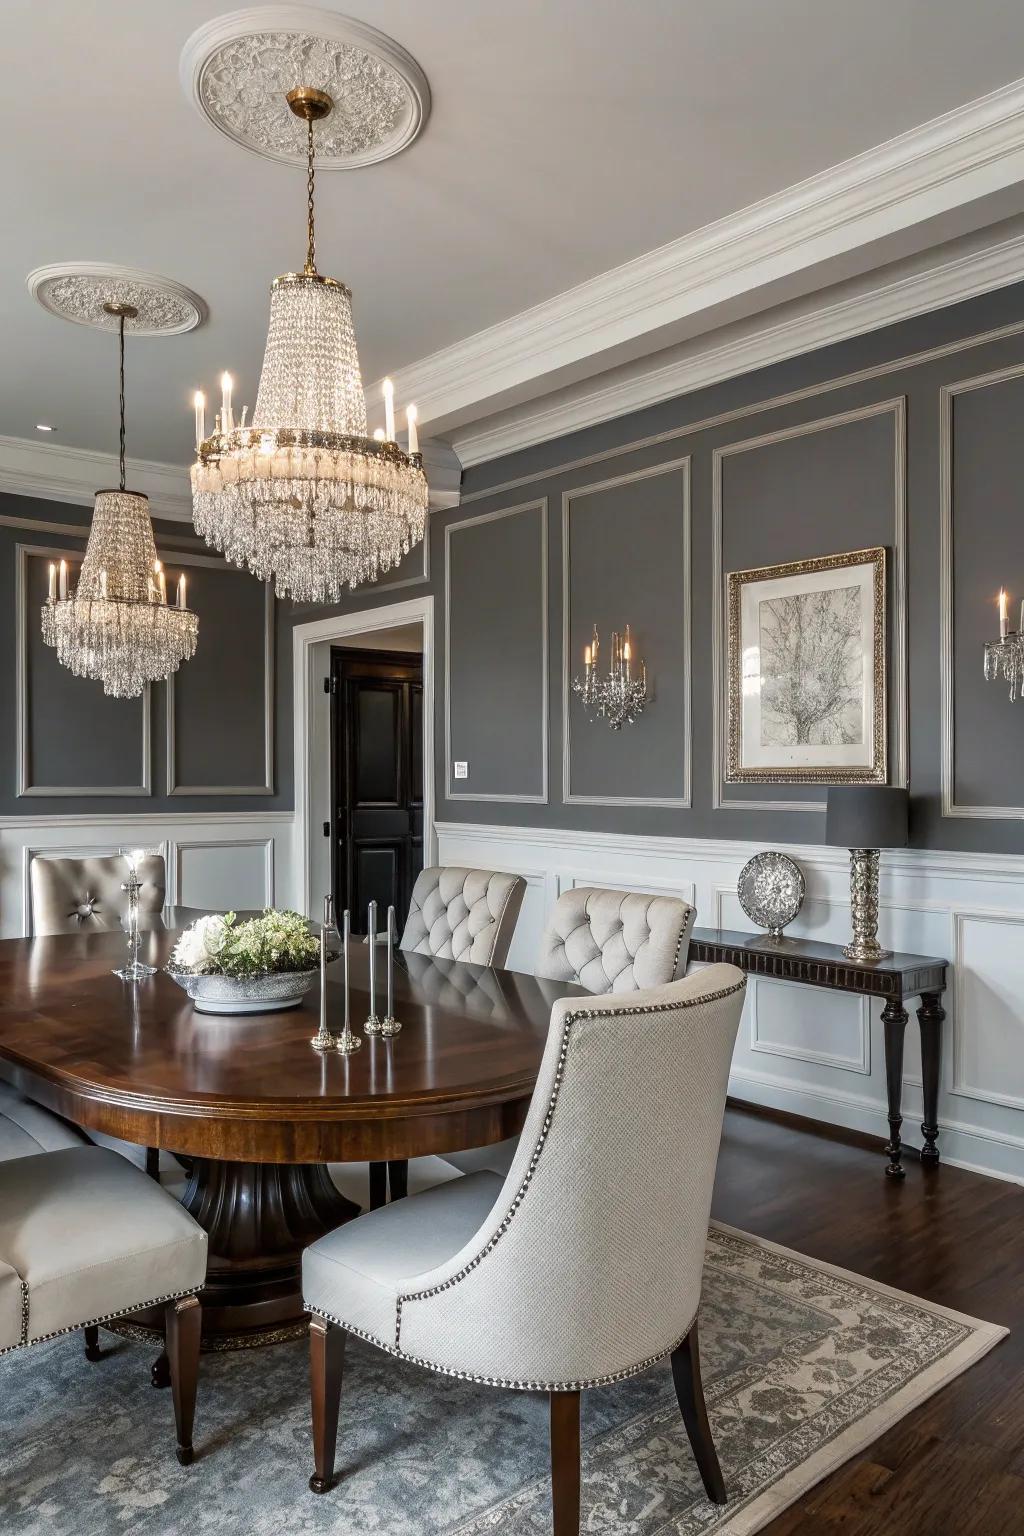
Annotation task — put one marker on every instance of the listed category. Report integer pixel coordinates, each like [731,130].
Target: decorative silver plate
[771,891]
[255,994]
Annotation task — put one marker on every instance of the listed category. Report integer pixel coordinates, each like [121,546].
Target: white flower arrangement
[260,946]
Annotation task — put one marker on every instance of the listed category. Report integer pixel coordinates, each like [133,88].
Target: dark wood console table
[894,979]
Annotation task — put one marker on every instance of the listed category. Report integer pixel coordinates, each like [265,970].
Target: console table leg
[894,1018]
[930,1016]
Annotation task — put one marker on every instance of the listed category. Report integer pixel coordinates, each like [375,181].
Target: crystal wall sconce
[618,697]
[1005,657]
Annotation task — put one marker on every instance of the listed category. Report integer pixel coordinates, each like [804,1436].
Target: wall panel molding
[175,869]
[896,635]
[684,800]
[1011,920]
[947,760]
[174,788]
[452,528]
[24,788]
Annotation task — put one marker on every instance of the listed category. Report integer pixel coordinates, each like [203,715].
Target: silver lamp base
[864,945]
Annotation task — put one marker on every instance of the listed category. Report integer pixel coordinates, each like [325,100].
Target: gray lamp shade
[866,816]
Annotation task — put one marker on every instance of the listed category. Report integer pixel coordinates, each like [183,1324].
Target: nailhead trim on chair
[533,1386]
[90,1322]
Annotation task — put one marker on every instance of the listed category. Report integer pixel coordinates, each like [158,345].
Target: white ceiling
[566,137]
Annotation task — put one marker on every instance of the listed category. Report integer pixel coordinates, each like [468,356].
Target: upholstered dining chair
[606,941]
[454,914]
[583,1266]
[463,914]
[85,895]
[85,1237]
[27,1129]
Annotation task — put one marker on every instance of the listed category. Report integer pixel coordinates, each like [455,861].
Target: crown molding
[966,155]
[58,473]
[820,323]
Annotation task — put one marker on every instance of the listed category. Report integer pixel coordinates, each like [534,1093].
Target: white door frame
[304,637]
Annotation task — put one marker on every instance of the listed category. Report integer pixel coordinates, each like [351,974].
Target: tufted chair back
[615,941]
[463,914]
[589,1265]
[85,895]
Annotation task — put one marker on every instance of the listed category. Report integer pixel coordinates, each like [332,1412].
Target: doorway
[376,776]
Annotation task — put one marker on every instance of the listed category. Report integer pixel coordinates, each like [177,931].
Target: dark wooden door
[377,778]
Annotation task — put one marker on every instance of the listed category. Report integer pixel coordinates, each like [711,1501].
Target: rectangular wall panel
[496,674]
[626,559]
[225,875]
[988,1040]
[220,704]
[73,738]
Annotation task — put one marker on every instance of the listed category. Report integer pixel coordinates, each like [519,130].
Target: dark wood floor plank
[955,1467]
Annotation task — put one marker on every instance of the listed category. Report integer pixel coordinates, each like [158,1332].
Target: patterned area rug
[803,1365]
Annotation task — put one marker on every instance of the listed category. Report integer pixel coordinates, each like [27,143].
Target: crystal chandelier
[303,494]
[117,626]
[1005,657]
[619,698]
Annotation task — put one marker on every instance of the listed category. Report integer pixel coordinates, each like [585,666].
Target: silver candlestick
[136,969]
[389,1025]
[347,1042]
[323,1040]
[373,1024]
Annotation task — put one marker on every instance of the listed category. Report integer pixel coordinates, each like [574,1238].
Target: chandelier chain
[310,174]
[120,396]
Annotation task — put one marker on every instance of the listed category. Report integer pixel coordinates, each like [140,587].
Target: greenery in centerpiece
[218,945]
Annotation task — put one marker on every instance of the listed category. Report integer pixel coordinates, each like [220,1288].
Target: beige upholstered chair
[463,914]
[85,1238]
[584,1265]
[606,941]
[27,1128]
[76,895]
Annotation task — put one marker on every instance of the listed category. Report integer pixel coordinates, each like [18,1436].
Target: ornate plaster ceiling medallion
[84,291]
[238,69]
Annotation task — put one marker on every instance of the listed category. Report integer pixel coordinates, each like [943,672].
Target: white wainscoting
[241,859]
[815,1052]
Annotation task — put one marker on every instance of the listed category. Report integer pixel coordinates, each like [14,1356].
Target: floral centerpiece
[259,965]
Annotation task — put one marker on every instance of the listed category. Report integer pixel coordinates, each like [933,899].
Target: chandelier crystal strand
[303,495]
[116,627]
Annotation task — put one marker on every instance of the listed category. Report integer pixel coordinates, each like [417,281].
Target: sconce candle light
[1005,657]
[619,697]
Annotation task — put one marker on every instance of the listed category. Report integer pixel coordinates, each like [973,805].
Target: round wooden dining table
[253,1111]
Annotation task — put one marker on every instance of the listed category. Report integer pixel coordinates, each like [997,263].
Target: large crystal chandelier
[302,493]
[117,626]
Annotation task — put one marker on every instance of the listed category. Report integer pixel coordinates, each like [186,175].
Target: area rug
[804,1365]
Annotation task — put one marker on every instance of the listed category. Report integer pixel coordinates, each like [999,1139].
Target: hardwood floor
[956,1467]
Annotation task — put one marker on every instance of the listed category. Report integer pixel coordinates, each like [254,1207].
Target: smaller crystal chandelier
[117,626]
[303,494]
[1005,657]
[620,697]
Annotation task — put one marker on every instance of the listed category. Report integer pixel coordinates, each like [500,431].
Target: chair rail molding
[947,512]
[336,627]
[967,906]
[683,800]
[896,636]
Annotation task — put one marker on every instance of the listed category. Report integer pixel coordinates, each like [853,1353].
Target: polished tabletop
[137,1061]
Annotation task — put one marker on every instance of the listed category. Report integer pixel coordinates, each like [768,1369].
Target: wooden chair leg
[183,1322]
[690,1392]
[398,1178]
[92,1343]
[565,1463]
[153,1163]
[378,1185]
[326,1364]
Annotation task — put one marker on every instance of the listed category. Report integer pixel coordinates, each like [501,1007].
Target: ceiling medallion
[238,69]
[117,625]
[302,494]
[85,291]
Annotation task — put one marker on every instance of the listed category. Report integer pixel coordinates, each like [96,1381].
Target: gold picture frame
[806,671]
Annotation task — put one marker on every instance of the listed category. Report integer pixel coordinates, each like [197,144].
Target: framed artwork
[806,672]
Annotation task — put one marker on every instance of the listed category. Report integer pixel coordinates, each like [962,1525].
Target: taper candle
[52,595]
[1002,614]
[181,590]
[345,934]
[388,390]
[371,923]
[199,401]
[391,962]
[63,580]
[414,437]
[225,398]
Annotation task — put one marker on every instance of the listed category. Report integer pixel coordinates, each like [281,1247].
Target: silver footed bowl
[250,994]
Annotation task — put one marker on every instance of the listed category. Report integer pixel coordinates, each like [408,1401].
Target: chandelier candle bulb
[378,434]
[389,410]
[1002,614]
[63,580]
[199,401]
[414,437]
[225,402]
[181,590]
[52,595]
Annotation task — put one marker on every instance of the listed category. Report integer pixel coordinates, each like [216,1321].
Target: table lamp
[865,818]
